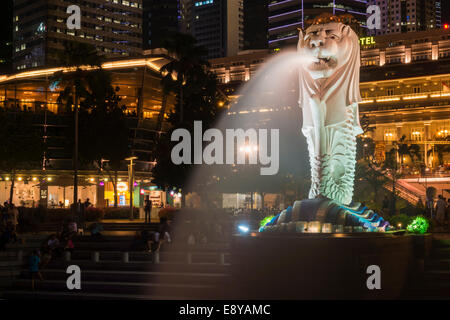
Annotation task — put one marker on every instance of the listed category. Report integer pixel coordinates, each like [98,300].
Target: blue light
[202,3]
[243,229]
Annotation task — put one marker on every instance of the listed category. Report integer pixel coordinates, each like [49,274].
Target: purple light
[135,184]
[285,26]
[275,4]
[102,183]
[283,14]
[350,11]
[287,38]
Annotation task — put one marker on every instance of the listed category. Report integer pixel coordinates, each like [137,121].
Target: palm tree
[76,56]
[440,149]
[188,65]
[410,150]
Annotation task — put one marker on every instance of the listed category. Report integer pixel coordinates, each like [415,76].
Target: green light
[419,225]
[265,221]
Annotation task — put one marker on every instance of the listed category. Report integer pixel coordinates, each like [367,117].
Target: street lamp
[131,183]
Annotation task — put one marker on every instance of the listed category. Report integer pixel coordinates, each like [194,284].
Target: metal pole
[75,160]
[130,169]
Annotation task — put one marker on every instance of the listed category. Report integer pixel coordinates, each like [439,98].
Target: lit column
[247,74]
[407,55]
[131,183]
[227,75]
[426,138]
[382,58]
[434,52]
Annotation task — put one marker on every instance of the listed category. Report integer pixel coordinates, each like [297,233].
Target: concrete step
[116,287]
[442,277]
[76,295]
[141,266]
[438,264]
[137,276]
[180,257]
[441,253]
[441,243]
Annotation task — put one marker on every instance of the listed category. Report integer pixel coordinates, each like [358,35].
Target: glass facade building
[286,16]
[40,29]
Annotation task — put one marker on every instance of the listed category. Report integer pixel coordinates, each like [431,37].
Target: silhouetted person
[148,209]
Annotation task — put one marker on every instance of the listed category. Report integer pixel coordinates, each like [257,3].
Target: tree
[373,176]
[105,138]
[391,165]
[440,149]
[21,146]
[187,76]
[77,56]
[188,65]
[408,150]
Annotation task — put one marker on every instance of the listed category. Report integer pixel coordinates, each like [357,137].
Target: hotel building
[40,29]
[405,86]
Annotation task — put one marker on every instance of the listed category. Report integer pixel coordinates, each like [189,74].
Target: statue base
[327,216]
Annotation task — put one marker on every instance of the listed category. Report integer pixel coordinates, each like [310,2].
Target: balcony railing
[407,97]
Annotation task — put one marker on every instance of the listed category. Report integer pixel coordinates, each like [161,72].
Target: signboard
[365,41]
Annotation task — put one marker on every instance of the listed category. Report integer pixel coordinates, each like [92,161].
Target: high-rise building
[6,36]
[217,25]
[401,16]
[256,13]
[40,29]
[160,19]
[285,16]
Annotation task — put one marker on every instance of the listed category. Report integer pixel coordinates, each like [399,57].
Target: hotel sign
[364,41]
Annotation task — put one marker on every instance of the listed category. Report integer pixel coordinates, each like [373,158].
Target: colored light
[244,229]
[92,179]
[34,179]
[419,225]
[445,26]
[102,183]
[265,221]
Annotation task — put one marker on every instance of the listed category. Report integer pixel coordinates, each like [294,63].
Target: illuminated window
[417,134]
[442,132]
[390,135]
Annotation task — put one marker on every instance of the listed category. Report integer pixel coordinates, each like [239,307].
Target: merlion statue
[329,96]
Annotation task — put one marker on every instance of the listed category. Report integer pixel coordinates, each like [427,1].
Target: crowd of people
[8,224]
[153,241]
[52,247]
[440,213]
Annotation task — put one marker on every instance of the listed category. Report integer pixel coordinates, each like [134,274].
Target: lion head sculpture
[332,72]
